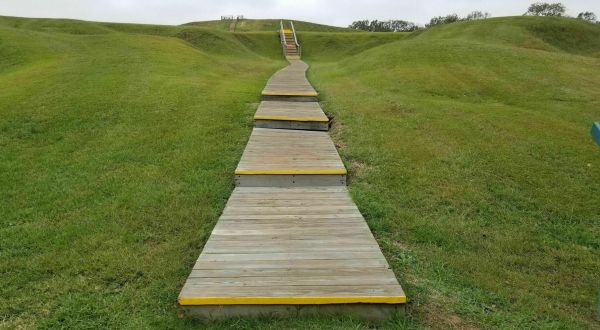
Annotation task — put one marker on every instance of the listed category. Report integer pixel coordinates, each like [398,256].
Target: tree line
[535,9]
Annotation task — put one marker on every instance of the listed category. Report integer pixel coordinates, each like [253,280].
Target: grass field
[469,153]
[253,25]
[468,148]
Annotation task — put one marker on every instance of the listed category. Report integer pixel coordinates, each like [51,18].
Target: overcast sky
[333,12]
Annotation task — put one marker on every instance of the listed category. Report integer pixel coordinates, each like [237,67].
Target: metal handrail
[282,38]
[296,39]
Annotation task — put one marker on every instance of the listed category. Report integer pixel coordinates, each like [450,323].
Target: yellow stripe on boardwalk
[290,94]
[291,118]
[291,172]
[194,301]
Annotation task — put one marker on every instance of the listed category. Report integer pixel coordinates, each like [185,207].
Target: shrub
[587,16]
[384,26]
[438,20]
[477,15]
[546,9]
[474,15]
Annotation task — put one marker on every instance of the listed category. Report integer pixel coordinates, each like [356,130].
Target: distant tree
[362,25]
[587,16]
[378,26]
[384,26]
[546,9]
[438,20]
[474,15]
[402,26]
[477,15]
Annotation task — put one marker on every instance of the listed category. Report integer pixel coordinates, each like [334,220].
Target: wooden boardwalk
[304,158]
[290,83]
[291,115]
[290,240]
[292,246]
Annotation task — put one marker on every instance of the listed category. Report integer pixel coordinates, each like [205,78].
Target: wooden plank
[290,152]
[290,81]
[261,252]
[377,290]
[290,111]
[295,280]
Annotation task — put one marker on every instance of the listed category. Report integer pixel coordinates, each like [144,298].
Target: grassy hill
[117,150]
[469,153]
[247,25]
[468,148]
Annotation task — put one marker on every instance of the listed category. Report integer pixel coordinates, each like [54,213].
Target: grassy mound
[468,147]
[54,25]
[247,25]
[543,33]
[117,154]
[469,152]
[327,47]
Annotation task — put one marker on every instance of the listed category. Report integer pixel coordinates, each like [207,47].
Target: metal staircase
[289,41]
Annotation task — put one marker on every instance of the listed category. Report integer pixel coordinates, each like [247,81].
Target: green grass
[329,47]
[117,154]
[468,148]
[469,153]
[253,25]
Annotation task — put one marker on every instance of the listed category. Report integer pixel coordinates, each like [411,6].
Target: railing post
[282,39]
[296,39]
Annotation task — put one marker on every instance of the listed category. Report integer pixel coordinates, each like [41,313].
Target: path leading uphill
[291,241]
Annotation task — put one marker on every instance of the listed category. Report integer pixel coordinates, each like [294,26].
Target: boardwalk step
[290,241]
[275,157]
[305,256]
[291,115]
[290,84]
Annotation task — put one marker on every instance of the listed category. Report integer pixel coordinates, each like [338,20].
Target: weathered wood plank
[259,248]
[272,151]
[290,111]
[275,247]
[290,81]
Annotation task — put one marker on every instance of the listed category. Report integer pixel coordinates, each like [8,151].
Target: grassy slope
[328,47]
[247,25]
[118,142]
[117,154]
[469,153]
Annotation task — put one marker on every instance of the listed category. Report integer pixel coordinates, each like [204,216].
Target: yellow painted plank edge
[290,94]
[290,172]
[194,301]
[291,118]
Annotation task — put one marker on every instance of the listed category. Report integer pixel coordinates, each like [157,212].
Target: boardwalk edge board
[194,301]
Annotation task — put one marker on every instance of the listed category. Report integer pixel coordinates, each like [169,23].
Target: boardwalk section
[288,251]
[291,241]
[291,115]
[290,84]
[279,157]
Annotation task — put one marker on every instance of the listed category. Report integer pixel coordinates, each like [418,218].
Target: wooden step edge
[292,172]
[290,94]
[317,119]
[195,301]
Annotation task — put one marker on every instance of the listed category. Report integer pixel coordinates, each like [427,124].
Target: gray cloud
[334,12]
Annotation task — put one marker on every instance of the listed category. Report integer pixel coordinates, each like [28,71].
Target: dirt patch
[336,130]
[439,317]
[358,168]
